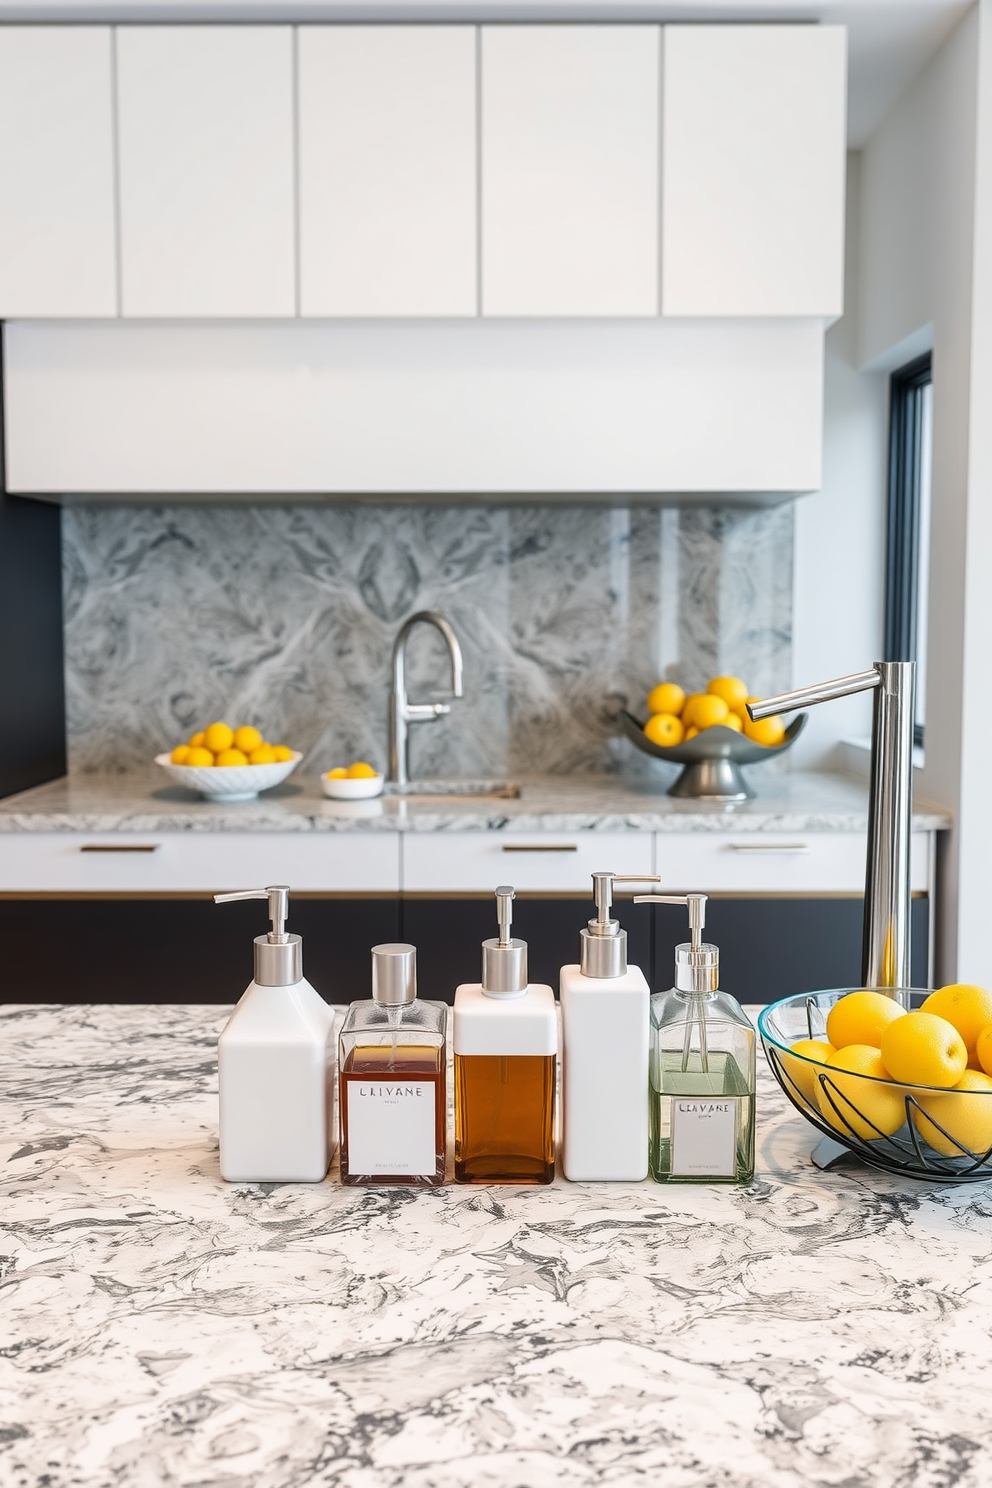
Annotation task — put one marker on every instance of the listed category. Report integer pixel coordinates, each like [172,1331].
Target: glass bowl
[855,1109]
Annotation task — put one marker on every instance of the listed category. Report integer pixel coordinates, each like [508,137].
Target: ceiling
[890,40]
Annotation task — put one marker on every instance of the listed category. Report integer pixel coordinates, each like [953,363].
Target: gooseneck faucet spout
[885,961]
[401,712]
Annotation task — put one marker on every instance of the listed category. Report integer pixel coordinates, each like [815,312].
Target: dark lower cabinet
[772,948]
[191,950]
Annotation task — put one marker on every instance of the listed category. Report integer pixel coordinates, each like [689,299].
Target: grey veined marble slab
[163,1330]
[147,802]
[285,617]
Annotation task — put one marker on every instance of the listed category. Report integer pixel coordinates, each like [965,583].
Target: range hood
[507,410]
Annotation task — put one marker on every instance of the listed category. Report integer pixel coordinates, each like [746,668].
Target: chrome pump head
[697,965]
[504,961]
[394,974]
[278,956]
[603,945]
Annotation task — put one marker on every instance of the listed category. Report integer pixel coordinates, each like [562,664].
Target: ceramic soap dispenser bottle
[702,1067]
[275,1064]
[506,1043]
[392,1063]
[604,1056]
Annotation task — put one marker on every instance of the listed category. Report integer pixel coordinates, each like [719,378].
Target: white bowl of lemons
[357,782]
[225,764]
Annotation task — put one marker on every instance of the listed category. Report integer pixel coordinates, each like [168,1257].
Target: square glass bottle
[506,1048]
[702,1069]
[392,1072]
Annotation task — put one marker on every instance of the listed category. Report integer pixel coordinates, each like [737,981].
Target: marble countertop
[146,802]
[162,1328]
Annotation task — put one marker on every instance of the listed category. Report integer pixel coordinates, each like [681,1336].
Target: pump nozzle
[282,966]
[696,965]
[505,896]
[504,961]
[603,945]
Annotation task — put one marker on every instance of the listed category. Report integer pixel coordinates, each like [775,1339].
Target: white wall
[926,240]
[840,530]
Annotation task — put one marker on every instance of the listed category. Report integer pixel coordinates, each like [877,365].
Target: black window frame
[902,544]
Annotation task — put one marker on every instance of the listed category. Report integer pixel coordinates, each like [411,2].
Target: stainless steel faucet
[886,944]
[403,713]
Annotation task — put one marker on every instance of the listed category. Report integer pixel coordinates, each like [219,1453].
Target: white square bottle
[605,1020]
[275,1065]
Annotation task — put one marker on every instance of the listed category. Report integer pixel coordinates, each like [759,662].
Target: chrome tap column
[886,944]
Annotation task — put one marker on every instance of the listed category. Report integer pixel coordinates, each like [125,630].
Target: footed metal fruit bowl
[712,759]
[859,1111]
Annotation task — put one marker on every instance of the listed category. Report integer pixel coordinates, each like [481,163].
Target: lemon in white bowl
[359,782]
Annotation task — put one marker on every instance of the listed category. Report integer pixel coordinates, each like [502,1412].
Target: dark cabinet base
[192,951]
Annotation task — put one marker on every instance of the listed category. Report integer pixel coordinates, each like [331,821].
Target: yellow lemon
[282,753]
[180,754]
[922,1049]
[196,740]
[690,733]
[704,710]
[689,707]
[731,689]
[201,758]
[361,771]
[664,729]
[852,1104]
[800,1071]
[861,1018]
[767,731]
[983,1049]
[667,697]
[733,721]
[340,772]
[263,755]
[247,739]
[227,758]
[218,737]
[965,1117]
[966,1008]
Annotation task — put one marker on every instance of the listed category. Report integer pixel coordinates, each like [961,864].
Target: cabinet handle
[125,847]
[768,847]
[539,847]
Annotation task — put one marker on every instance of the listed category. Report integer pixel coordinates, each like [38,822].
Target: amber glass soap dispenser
[702,1067]
[506,1044]
[392,1068]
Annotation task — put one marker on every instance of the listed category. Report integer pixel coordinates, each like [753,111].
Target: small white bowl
[229,782]
[348,789]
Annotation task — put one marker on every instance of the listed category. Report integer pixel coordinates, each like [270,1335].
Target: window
[907,554]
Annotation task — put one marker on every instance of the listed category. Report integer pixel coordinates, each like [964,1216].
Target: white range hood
[374,409]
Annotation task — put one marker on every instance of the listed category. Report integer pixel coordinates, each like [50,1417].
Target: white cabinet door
[540,862]
[205,129]
[753,160]
[387,140]
[570,170]
[57,251]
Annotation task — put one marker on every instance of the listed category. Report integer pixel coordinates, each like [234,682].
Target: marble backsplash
[285,616]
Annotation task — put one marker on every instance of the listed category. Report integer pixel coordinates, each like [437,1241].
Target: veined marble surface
[285,617]
[146,802]
[163,1329]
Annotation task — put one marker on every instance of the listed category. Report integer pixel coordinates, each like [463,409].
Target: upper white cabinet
[56,172]
[570,170]
[387,170]
[753,157]
[205,142]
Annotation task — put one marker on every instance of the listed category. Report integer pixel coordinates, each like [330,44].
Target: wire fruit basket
[931,1141]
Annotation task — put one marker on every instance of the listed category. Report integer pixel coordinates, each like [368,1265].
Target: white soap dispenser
[605,1019]
[275,1064]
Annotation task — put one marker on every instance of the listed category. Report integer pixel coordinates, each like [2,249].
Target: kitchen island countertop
[146,802]
[162,1328]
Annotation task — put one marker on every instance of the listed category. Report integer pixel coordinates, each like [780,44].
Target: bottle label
[704,1137]
[391,1128]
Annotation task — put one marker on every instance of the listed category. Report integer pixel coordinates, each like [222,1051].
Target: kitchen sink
[457,790]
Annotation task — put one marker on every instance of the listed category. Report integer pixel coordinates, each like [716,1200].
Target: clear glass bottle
[392,1071]
[702,1069]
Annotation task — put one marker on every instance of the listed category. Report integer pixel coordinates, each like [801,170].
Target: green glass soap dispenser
[702,1067]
